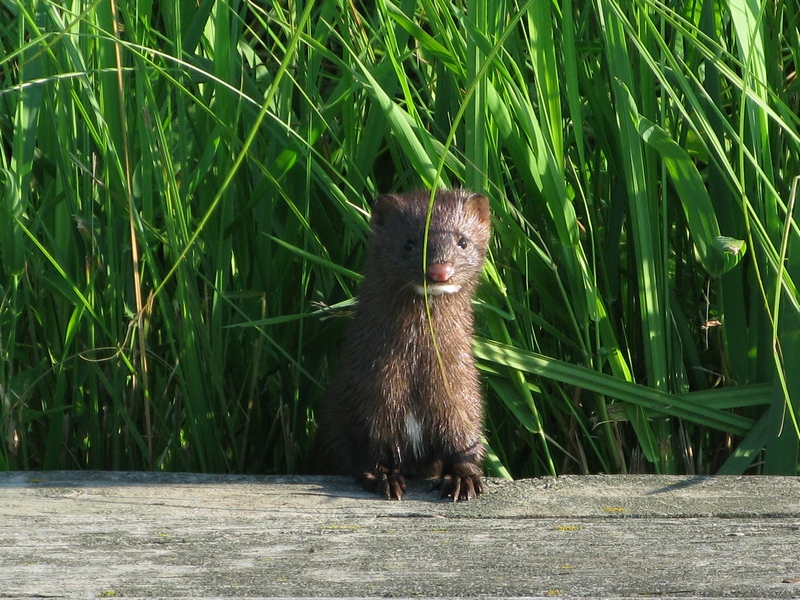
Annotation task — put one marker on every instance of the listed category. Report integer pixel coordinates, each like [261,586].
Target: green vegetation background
[184,200]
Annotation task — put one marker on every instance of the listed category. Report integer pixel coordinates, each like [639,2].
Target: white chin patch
[437,289]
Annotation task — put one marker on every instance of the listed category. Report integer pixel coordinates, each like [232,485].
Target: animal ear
[381,208]
[479,204]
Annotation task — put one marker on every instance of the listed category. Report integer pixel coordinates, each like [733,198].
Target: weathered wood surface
[91,535]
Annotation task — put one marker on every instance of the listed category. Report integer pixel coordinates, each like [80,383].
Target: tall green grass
[185,200]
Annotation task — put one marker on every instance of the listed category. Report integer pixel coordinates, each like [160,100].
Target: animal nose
[440,272]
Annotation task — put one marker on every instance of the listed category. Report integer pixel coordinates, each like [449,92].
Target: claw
[461,486]
[389,484]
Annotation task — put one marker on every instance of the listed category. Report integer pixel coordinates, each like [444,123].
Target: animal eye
[462,243]
[409,245]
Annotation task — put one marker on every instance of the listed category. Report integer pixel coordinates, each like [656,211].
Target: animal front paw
[385,482]
[461,482]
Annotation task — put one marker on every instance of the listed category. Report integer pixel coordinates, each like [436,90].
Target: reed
[185,199]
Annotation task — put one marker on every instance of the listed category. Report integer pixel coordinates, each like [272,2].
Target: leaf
[718,254]
[600,383]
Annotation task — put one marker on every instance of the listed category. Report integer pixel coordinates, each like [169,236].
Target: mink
[405,400]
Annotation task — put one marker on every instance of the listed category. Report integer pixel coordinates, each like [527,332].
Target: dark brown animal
[406,398]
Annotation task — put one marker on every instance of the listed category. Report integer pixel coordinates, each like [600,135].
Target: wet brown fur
[395,408]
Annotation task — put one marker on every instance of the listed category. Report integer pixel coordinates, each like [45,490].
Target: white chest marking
[414,435]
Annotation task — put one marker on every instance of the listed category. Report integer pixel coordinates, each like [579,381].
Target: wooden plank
[82,534]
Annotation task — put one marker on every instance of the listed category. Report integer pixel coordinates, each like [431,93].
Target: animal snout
[440,272]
